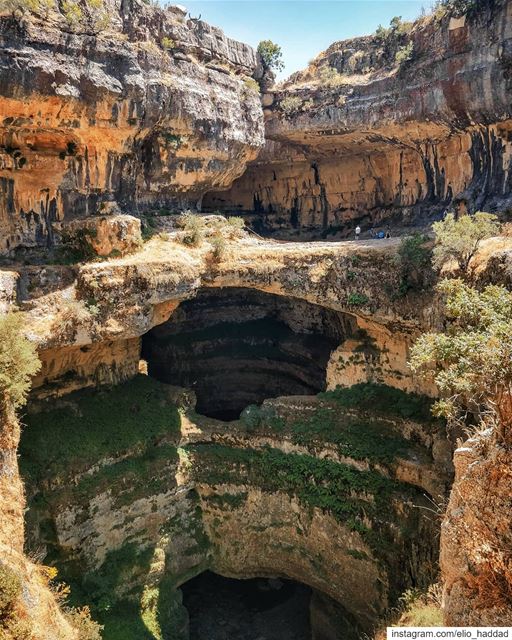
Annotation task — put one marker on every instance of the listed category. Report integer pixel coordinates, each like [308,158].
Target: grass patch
[382,399]
[360,440]
[350,495]
[95,424]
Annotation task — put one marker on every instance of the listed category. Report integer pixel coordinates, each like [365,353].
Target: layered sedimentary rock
[237,347]
[391,141]
[147,109]
[128,513]
[153,496]
[88,320]
[475,557]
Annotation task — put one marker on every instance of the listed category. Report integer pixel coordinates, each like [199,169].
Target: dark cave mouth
[237,347]
[222,608]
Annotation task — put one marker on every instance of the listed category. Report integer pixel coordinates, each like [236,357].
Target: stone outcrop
[475,536]
[30,610]
[88,320]
[387,141]
[150,109]
[134,507]
[330,470]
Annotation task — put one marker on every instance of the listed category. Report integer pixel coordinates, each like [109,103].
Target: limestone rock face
[88,320]
[389,141]
[150,110]
[158,496]
[475,536]
[105,235]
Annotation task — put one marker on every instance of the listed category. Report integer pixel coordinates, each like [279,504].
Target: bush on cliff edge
[471,362]
[18,360]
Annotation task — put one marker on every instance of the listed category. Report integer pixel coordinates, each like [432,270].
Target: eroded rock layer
[151,109]
[390,141]
[312,489]
[237,347]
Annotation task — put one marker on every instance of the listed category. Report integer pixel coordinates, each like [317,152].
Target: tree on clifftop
[271,55]
[458,240]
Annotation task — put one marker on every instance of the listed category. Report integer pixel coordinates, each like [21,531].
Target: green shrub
[42,7]
[471,361]
[99,16]
[219,246]
[148,226]
[193,228]
[414,260]
[404,54]
[357,299]
[271,55]
[458,239]
[456,8]
[72,12]
[290,104]
[80,619]
[251,85]
[167,43]
[10,591]
[22,6]
[18,360]
[329,77]
[76,245]
[236,222]
[380,397]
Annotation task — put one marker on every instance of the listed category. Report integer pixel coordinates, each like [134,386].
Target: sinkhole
[235,347]
[255,609]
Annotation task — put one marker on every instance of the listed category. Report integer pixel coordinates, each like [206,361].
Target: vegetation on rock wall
[471,362]
[351,496]
[12,627]
[18,360]
[380,398]
[361,432]
[414,259]
[66,436]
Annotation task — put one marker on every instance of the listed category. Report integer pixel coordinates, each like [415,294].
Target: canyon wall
[130,491]
[125,491]
[384,141]
[146,109]
[154,494]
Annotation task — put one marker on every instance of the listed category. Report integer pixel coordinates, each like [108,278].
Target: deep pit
[236,347]
[256,609]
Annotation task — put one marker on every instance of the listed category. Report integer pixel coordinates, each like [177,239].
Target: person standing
[358,232]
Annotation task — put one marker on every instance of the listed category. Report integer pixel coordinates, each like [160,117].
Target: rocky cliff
[121,105]
[395,127]
[126,492]
[325,447]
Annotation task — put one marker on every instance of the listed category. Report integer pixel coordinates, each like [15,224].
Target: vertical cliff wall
[365,135]
[148,108]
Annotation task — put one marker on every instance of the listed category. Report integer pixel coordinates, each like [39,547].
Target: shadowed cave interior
[257,609]
[235,347]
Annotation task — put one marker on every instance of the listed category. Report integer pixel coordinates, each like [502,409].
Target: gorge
[223,437]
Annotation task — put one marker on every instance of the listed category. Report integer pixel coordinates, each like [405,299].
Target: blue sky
[302,28]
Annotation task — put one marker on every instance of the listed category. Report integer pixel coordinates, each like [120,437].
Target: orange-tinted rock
[391,142]
[105,235]
[118,117]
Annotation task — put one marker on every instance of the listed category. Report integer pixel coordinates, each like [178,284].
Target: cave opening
[236,347]
[222,608]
